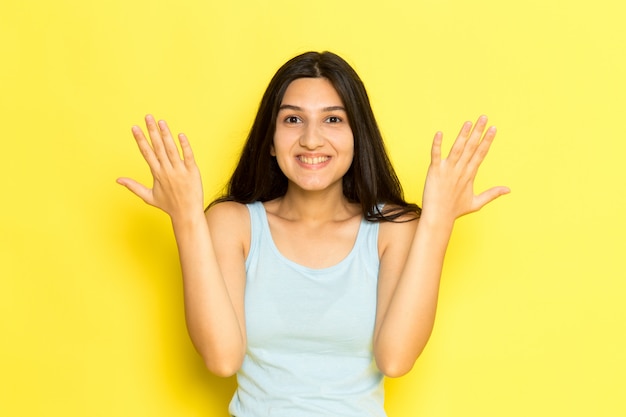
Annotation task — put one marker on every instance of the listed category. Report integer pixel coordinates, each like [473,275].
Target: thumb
[489,195]
[136,188]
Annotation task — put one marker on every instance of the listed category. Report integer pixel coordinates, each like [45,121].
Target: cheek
[283,140]
[350,145]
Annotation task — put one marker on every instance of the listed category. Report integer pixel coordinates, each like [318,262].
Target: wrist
[436,220]
[188,220]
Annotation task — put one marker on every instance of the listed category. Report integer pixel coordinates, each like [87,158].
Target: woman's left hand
[449,189]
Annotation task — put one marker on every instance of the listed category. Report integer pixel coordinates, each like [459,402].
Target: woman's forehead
[311,93]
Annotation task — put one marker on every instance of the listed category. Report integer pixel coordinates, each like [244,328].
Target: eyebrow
[297,108]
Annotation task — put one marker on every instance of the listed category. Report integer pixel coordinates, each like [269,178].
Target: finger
[474,140]
[187,151]
[435,151]
[459,143]
[144,147]
[136,188]
[156,139]
[482,150]
[168,143]
[488,196]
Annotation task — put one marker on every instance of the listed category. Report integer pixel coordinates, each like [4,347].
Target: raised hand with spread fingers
[213,303]
[177,186]
[449,189]
[411,266]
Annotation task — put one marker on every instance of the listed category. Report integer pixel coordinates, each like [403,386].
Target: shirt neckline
[296,265]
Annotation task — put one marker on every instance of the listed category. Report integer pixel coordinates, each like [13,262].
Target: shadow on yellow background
[531,319]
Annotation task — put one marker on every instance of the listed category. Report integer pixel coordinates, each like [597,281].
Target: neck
[315,206]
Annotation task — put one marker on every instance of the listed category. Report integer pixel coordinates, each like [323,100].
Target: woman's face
[313,142]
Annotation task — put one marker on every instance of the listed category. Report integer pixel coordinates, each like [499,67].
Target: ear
[272,150]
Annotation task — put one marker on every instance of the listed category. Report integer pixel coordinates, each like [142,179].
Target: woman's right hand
[177,186]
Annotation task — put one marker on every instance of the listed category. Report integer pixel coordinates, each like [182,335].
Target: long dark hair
[370,181]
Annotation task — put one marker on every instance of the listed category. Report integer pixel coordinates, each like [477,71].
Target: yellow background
[532,315]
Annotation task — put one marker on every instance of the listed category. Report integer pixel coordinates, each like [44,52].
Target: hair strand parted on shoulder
[371,179]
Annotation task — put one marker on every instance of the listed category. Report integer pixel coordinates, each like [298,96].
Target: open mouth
[313,160]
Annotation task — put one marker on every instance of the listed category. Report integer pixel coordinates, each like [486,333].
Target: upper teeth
[313,160]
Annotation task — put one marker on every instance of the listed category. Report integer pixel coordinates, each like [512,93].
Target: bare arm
[213,310]
[412,260]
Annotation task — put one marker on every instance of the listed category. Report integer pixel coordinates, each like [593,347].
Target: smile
[313,160]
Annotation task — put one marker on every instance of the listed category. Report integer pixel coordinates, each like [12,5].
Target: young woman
[312,277]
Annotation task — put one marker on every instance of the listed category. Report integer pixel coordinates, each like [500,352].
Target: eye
[333,119]
[292,119]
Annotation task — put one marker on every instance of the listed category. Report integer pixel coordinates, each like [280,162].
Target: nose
[312,137]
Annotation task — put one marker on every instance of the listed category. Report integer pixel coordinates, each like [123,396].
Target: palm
[449,189]
[177,186]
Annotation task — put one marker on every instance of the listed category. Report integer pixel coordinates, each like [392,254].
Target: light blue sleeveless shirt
[309,332]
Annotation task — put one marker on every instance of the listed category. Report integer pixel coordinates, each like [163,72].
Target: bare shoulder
[227,210]
[397,235]
[229,223]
